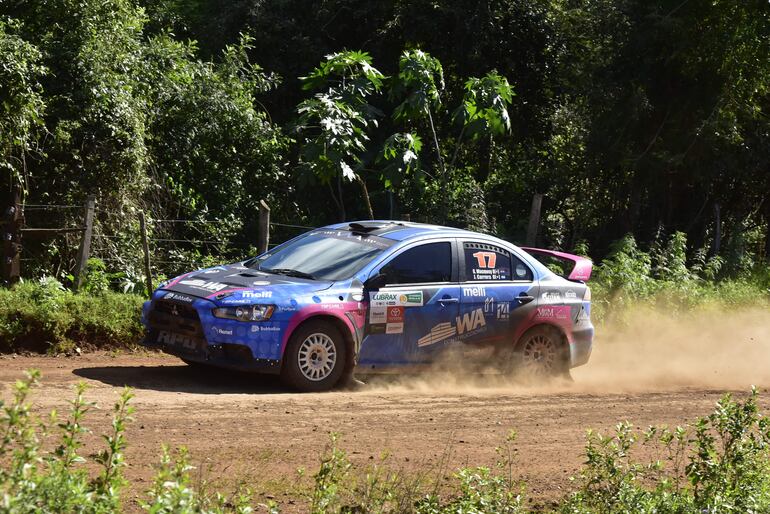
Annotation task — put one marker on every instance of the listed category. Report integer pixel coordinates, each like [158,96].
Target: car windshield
[322,255]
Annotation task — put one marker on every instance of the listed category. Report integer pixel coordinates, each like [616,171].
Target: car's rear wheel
[315,357]
[541,353]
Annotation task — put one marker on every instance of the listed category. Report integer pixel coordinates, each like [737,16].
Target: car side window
[485,262]
[426,263]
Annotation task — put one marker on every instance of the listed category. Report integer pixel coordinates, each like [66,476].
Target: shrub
[43,316]
[720,463]
[34,481]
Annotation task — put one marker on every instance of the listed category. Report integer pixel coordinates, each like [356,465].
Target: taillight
[587,295]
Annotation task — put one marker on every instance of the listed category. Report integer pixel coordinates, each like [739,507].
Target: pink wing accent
[582,266]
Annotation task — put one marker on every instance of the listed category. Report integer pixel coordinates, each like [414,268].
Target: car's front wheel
[315,357]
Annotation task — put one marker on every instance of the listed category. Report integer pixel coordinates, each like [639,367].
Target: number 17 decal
[486,259]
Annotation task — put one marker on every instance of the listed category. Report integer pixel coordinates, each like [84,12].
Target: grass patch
[45,317]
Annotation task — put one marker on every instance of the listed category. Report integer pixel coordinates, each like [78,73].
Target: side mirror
[376,281]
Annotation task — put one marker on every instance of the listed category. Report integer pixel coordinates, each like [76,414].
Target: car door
[498,292]
[412,316]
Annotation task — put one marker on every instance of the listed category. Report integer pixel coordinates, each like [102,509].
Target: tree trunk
[367,201]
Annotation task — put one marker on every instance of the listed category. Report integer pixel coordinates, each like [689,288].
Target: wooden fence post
[13,219]
[717,228]
[534,219]
[85,243]
[263,239]
[146,250]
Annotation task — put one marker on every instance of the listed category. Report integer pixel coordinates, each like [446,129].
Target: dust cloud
[724,349]
[647,350]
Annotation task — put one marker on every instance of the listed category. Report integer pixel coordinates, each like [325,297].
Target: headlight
[245,312]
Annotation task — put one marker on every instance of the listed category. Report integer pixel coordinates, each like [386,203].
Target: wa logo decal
[470,321]
[465,323]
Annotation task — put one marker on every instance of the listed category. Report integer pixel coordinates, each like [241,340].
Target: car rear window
[486,262]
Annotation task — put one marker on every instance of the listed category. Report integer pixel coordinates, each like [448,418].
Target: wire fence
[53,236]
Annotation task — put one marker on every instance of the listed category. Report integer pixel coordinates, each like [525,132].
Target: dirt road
[246,428]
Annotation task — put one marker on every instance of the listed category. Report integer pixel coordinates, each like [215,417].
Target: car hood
[223,281]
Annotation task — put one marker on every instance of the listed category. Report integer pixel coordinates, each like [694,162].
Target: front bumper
[230,356]
[189,331]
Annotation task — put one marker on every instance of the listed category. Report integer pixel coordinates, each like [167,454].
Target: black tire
[315,357]
[541,353]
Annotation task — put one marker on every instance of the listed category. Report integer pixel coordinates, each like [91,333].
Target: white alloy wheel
[317,356]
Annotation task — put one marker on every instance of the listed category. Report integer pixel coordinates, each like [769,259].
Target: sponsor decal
[395,315]
[570,294]
[203,284]
[263,328]
[174,339]
[465,325]
[474,291]
[394,328]
[551,296]
[260,283]
[257,294]
[284,308]
[178,297]
[222,331]
[236,301]
[503,310]
[561,312]
[396,298]
[377,315]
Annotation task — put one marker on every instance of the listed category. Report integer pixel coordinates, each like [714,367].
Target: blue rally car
[377,296]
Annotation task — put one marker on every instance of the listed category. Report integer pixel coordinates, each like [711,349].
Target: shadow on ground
[184,379]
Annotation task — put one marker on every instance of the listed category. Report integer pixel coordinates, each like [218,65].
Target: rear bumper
[581,345]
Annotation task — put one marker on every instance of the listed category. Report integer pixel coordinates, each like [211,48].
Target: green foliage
[484,110]
[43,316]
[21,103]
[665,277]
[420,82]
[719,463]
[35,480]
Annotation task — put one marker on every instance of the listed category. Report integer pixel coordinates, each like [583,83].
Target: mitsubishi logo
[174,310]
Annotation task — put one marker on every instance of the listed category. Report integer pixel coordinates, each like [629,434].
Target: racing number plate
[177,340]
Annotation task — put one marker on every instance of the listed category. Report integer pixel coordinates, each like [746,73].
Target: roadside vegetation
[636,117]
[44,316]
[717,463]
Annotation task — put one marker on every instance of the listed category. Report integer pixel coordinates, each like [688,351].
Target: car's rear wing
[581,266]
